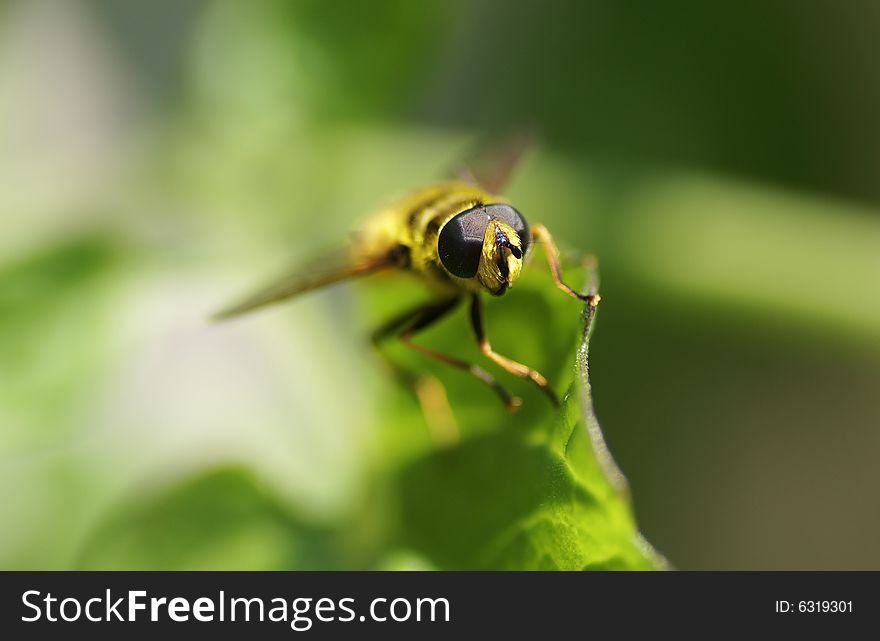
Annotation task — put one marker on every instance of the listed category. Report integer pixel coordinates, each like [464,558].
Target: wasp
[462,240]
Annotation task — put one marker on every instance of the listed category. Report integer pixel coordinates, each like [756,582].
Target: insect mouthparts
[502,240]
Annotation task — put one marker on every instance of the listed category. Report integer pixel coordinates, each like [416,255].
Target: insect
[462,240]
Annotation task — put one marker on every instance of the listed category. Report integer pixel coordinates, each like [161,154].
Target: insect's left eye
[460,243]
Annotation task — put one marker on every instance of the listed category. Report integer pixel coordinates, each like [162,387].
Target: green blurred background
[156,158]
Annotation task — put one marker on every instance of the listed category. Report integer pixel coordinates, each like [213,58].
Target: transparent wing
[329,268]
[491,163]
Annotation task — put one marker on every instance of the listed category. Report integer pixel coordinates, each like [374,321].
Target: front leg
[511,366]
[540,233]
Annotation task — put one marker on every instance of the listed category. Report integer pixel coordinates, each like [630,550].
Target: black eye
[512,217]
[461,242]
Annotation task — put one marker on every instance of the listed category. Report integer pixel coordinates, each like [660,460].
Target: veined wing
[326,270]
[490,164]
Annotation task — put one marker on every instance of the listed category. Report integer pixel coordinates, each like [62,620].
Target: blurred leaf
[751,250]
[52,311]
[535,490]
[363,73]
[224,519]
[318,60]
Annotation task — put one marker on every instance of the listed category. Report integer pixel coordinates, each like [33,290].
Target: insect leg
[515,368]
[402,322]
[539,232]
[428,390]
[388,329]
[431,314]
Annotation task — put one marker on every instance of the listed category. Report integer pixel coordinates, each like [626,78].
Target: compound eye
[460,243]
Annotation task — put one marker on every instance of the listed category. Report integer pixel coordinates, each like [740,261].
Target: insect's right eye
[460,243]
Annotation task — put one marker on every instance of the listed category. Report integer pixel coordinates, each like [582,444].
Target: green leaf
[535,490]
[53,338]
[220,519]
